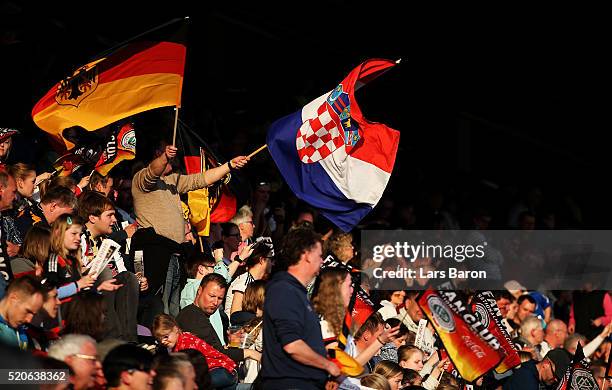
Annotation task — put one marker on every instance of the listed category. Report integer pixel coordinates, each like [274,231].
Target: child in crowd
[222,368]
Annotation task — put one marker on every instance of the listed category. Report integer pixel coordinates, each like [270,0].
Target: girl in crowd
[64,267]
[222,368]
[258,266]
[392,371]
[33,253]
[86,316]
[252,335]
[331,300]
[411,357]
[375,381]
[411,378]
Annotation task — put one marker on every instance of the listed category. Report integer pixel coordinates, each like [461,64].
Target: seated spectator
[412,357]
[85,315]
[531,337]
[411,377]
[195,318]
[128,367]
[369,339]
[168,334]
[79,352]
[340,245]
[25,179]
[375,381]
[526,308]
[391,303]
[554,336]
[44,327]
[532,374]
[392,371]
[389,350]
[225,264]
[55,202]
[258,266]
[98,213]
[174,372]
[63,268]
[201,368]
[6,142]
[7,196]
[198,266]
[33,253]
[252,305]
[23,299]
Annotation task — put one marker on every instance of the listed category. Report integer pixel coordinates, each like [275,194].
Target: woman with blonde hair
[331,299]
[340,245]
[392,371]
[375,381]
[64,267]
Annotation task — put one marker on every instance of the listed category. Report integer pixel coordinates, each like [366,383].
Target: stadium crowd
[252,305]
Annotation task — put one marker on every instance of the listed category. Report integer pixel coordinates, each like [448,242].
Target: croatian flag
[331,156]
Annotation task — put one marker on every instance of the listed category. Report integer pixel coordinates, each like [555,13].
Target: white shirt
[239,284]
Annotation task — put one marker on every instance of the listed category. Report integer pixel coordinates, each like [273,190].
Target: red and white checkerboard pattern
[317,138]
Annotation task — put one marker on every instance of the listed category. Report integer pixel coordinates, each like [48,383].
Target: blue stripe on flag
[310,182]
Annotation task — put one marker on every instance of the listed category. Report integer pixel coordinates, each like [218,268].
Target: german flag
[215,203]
[139,76]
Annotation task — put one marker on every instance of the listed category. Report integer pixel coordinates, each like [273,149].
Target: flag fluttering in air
[472,349]
[331,156]
[139,76]
[214,204]
[120,146]
[486,310]
[577,375]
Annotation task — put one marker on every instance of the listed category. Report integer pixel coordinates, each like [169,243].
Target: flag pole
[175,125]
[257,151]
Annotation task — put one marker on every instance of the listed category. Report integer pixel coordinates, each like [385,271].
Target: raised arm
[215,174]
[158,166]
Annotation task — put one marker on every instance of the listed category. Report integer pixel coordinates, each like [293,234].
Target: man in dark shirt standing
[294,353]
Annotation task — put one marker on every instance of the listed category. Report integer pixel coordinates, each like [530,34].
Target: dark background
[489,102]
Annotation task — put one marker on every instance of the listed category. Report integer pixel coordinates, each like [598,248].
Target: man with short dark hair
[526,308]
[128,367]
[98,212]
[56,201]
[195,318]
[532,374]
[294,353]
[24,298]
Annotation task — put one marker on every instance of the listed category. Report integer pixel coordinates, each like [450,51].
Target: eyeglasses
[86,357]
[208,266]
[133,370]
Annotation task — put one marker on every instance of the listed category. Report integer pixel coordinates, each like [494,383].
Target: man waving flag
[331,156]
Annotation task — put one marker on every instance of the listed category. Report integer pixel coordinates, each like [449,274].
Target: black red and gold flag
[486,310]
[472,349]
[215,203]
[140,75]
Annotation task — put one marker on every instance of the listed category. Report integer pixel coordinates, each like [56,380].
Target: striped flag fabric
[139,76]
